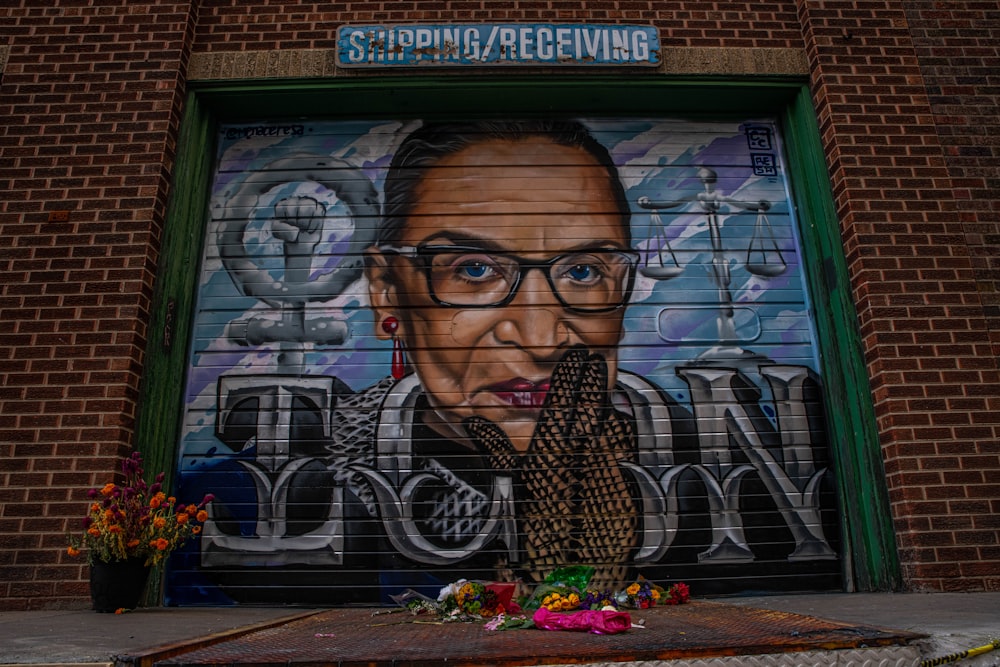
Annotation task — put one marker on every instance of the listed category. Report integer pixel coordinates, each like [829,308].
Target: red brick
[902,112]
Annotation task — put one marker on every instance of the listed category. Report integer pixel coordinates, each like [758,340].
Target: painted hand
[298,223]
[573,499]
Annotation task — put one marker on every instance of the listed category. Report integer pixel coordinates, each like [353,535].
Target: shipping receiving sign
[418,45]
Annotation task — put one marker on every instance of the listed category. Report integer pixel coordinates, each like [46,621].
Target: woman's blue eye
[477,270]
[581,272]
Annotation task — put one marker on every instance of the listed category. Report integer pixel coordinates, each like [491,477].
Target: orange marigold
[182,518]
[160,543]
[73,551]
[95,531]
[108,489]
[202,516]
[133,543]
[159,522]
[191,509]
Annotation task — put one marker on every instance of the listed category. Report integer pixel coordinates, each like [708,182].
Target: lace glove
[573,499]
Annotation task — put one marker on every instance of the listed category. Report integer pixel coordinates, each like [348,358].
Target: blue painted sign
[415,45]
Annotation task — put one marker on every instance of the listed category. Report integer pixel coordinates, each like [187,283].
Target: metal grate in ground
[692,634]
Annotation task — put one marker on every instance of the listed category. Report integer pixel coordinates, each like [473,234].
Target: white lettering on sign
[497,44]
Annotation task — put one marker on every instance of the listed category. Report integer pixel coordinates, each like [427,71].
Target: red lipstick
[520,392]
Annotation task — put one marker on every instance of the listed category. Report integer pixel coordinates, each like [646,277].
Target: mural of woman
[521,421]
[504,266]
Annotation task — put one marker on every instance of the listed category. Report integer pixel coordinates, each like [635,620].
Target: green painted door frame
[869,542]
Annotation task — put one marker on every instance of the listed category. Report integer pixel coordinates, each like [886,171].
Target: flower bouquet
[640,594]
[465,601]
[476,599]
[131,527]
[643,594]
[568,589]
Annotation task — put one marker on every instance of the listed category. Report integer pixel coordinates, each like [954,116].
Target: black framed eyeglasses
[593,280]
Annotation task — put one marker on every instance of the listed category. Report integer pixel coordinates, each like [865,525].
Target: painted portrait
[491,348]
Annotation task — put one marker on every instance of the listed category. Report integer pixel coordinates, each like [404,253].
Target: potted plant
[129,528]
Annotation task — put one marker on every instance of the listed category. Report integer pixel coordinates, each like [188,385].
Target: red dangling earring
[390,325]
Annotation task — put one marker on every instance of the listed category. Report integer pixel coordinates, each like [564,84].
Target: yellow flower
[656,594]
[553,602]
[633,589]
[466,591]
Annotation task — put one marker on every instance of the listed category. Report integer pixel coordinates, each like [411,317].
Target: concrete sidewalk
[86,637]
[952,622]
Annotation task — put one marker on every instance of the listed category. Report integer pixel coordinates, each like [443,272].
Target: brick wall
[90,104]
[90,101]
[230,25]
[956,44]
[925,331]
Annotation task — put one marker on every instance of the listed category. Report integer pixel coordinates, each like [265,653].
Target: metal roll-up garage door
[425,351]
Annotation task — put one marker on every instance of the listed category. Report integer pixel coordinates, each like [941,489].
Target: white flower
[450,589]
